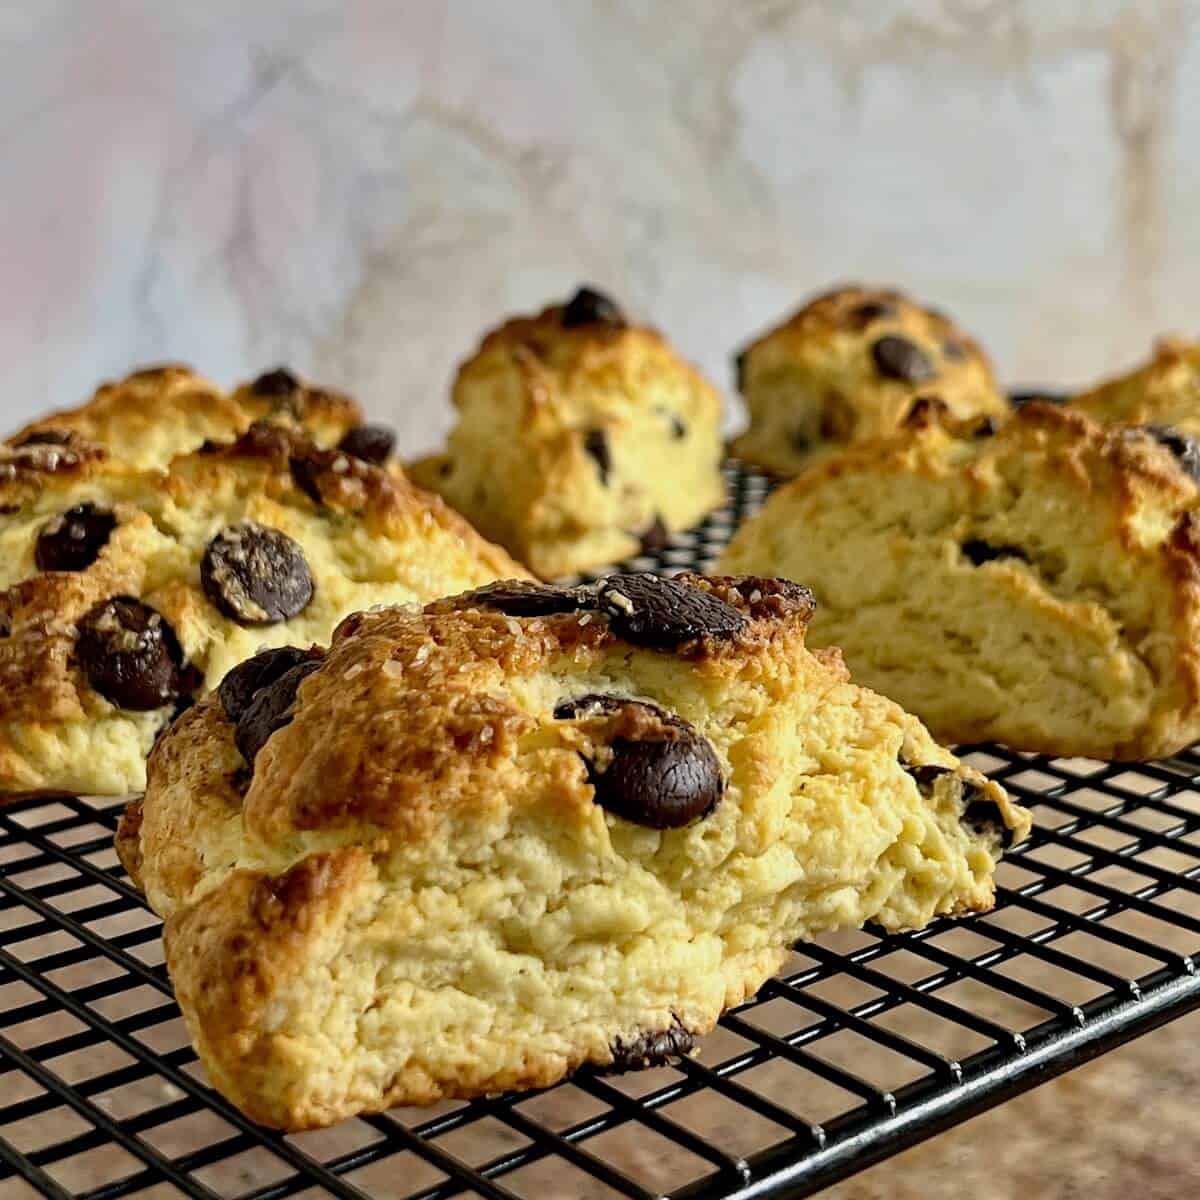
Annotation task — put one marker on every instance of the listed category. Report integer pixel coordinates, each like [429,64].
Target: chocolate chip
[869,312]
[45,437]
[983,817]
[954,350]
[371,443]
[980,552]
[985,427]
[247,679]
[651,1049]
[590,307]
[595,442]
[73,540]
[279,382]
[739,369]
[664,613]
[131,656]
[306,475]
[656,536]
[678,428]
[270,710]
[1185,448]
[663,776]
[898,358]
[924,411]
[256,575]
[516,598]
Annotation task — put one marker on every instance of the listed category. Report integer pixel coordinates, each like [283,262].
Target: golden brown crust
[1163,391]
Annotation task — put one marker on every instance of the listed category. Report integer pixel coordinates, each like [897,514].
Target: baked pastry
[123,593]
[580,439]
[1164,391]
[853,364]
[155,414]
[1038,586]
[606,814]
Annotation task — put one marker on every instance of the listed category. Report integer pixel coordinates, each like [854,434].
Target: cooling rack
[865,1044]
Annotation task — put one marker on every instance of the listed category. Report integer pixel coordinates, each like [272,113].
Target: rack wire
[866,1043]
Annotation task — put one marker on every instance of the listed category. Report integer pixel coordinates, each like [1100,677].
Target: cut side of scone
[157,413]
[853,364]
[477,846]
[124,594]
[581,439]
[1039,586]
[1162,392]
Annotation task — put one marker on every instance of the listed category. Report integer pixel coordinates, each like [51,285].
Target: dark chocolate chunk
[651,1049]
[131,656]
[664,780]
[517,598]
[898,358]
[279,382]
[306,474]
[590,307]
[982,816]
[870,311]
[1185,448]
[73,540]
[256,575]
[45,437]
[648,610]
[371,443]
[980,552]
[656,536]
[247,679]
[270,710]
[595,442]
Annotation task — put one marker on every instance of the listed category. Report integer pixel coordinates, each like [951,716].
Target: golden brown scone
[580,439]
[124,592]
[528,828]
[155,414]
[853,364]
[1165,391]
[1038,586]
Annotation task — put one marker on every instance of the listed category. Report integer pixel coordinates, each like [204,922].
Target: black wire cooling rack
[865,1044]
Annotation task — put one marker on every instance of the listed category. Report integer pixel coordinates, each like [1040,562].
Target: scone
[123,593]
[479,845]
[580,439]
[854,364]
[1039,586]
[1165,391]
[153,415]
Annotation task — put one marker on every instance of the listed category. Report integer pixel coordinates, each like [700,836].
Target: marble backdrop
[359,189]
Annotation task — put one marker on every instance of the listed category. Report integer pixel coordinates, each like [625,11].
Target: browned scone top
[157,413]
[124,592]
[1165,391]
[853,364]
[1036,585]
[477,845]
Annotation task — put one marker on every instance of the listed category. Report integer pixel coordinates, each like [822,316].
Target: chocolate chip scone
[1163,392]
[580,439]
[155,414]
[528,828]
[854,364]
[124,593]
[1039,586]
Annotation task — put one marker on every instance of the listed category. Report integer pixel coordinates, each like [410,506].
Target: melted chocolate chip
[45,437]
[256,575]
[982,816]
[656,536]
[247,679]
[279,382]
[590,307]
[131,656]
[595,442]
[306,474]
[664,780]
[516,598]
[664,613]
[898,358]
[73,541]
[869,312]
[923,411]
[985,427]
[980,552]
[371,443]
[651,1049]
[1185,448]
[270,710]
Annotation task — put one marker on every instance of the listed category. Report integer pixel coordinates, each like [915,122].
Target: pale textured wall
[360,188]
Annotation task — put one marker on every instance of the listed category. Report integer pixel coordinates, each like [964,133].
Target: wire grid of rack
[865,1044]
